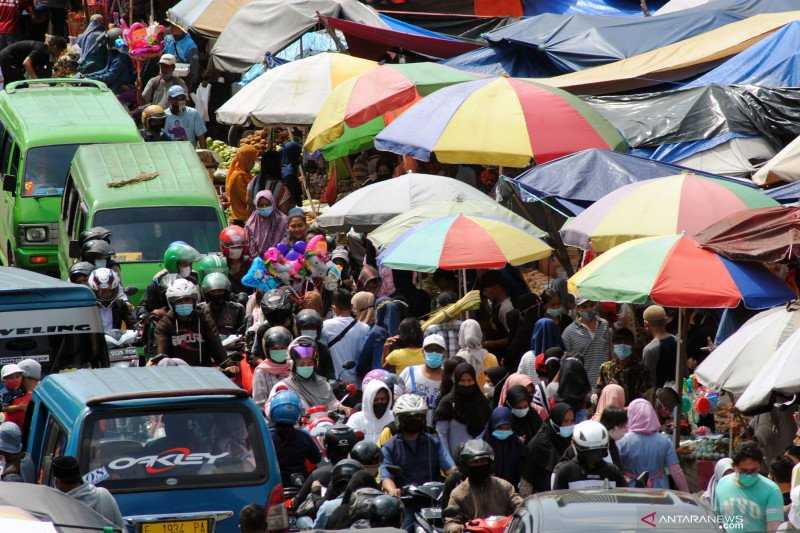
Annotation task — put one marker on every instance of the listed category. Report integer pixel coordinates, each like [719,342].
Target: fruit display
[257,139]
[709,448]
[226,153]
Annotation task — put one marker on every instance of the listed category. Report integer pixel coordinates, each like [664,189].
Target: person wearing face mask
[312,388]
[525,421]
[481,495]
[509,449]
[463,413]
[547,447]
[624,369]
[748,495]
[376,411]
[229,316]
[425,379]
[184,123]
[186,331]
[294,448]
[233,246]
[588,339]
[274,366]
[114,311]
[266,225]
[12,388]
[644,449]
[588,469]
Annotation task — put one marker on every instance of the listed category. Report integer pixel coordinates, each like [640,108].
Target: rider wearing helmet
[153,120]
[208,263]
[590,442]
[228,316]
[308,323]
[178,259]
[95,233]
[481,494]
[369,455]
[233,245]
[386,511]
[312,388]
[187,331]
[295,448]
[79,272]
[114,311]
[274,366]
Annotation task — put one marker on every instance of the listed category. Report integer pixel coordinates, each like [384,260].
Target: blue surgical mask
[746,480]
[433,359]
[565,431]
[520,413]
[305,372]
[100,263]
[184,309]
[265,211]
[554,312]
[622,351]
[589,314]
[502,434]
[312,333]
[279,356]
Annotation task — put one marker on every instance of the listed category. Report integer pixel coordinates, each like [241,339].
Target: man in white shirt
[344,336]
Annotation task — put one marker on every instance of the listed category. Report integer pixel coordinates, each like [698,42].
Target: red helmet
[232,237]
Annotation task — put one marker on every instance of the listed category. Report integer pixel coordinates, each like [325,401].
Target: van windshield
[143,233]
[170,448]
[46,169]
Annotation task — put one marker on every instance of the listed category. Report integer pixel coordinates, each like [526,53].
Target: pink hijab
[642,418]
[264,232]
[611,395]
[512,380]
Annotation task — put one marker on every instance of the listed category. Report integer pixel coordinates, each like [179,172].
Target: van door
[55,443]
[6,206]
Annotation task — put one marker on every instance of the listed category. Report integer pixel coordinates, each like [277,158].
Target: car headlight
[36,234]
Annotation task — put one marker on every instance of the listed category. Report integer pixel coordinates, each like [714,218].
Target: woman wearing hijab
[376,411]
[546,448]
[237,180]
[463,413]
[470,344]
[273,368]
[266,226]
[573,387]
[364,307]
[94,52]
[448,371]
[610,395]
[644,449]
[312,388]
[525,421]
[546,334]
[509,450]
[496,378]
[723,467]
[516,380]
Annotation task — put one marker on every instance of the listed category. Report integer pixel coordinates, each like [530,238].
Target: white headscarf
[365,421]
[723,466]
[470,343]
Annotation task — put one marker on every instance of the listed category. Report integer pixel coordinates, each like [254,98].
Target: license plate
[183,526]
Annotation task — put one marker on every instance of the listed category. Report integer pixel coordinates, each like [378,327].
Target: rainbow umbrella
[662,206]
[462,241]
[498,121]
[674,271]
[375,97]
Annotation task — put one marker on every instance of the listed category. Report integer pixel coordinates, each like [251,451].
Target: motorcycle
[289,492]
[428,499]
[122,347]
[490,524]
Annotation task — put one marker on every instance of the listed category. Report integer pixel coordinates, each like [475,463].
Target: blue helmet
[285,408]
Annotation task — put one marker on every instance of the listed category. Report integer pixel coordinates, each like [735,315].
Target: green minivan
[42,123]
[148,195]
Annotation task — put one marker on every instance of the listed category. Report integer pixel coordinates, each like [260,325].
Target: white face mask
[234,253]
[185,272]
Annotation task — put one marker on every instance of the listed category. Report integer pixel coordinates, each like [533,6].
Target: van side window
[54,446]
[66,199]
[13,168]
[8,145]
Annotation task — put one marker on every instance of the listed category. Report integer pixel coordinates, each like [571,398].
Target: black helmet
[276,306]
[94,250]
[386,511]
[97,233]
[81,268]
[338,441]
[343,471]
[366,453]
[276,336]
[308,319]
[474,450]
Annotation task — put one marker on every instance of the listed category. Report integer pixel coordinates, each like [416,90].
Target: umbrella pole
[680,365]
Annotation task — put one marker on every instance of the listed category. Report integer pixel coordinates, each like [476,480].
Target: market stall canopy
[768,234]
[498,121]
[459,241]
[785,166]
[498,61]
[264,26]
[731,366]
[679,5]
[368,207]
[674,271]
[292,93]
[674,62]
[781,374]
[607,8]
[568,43]
[785,194]
[206,17]
[660,206]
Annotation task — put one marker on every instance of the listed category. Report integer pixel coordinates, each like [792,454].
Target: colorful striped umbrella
[674,271]
[662,206]
[379,96]
[498,121]
[462,241]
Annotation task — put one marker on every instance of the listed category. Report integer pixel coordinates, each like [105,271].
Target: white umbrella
[371,206]
[780,374]
[292,93]
[733,364]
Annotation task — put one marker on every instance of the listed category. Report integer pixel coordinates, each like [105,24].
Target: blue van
[182,449]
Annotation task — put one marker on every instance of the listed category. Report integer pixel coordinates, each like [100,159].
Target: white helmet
[181,288]
[590,435]
[103,278]
[410,404]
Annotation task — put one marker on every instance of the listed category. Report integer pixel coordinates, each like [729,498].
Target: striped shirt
[593,348]
[449,331]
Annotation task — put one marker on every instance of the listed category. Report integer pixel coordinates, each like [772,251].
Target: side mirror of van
[10,183]
[74,249]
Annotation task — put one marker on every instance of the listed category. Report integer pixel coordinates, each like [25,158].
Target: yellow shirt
[405,357]
[489,361]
